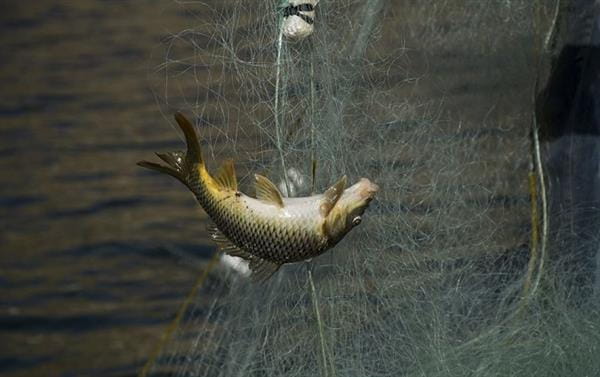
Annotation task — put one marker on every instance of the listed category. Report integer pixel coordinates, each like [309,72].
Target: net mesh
[432,101]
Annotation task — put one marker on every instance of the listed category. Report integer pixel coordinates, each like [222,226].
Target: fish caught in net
[432,100]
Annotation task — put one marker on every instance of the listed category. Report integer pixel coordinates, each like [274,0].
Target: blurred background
[95,252]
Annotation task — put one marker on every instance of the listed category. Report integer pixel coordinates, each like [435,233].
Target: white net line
[424,287]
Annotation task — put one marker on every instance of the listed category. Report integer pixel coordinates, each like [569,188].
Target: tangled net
[432,101]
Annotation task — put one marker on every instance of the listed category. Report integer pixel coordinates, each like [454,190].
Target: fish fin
[267,192]
[225,178]
[262,269]
[179,163]
[225,245]
[193,154]
[174,159]
[216,235]
[162,169]
[332,195]
[235,251]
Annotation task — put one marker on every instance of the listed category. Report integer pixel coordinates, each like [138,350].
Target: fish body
[268,230]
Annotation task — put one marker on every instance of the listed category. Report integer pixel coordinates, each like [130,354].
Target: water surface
[87,280]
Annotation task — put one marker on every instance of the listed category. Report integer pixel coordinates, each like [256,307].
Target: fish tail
[184,166]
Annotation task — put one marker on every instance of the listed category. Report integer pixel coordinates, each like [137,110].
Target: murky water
[88,278]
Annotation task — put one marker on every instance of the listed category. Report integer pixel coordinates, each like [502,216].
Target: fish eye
[356,220]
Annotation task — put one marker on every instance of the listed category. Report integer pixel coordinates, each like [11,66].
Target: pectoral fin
[225,245]
[332,195]
[262,269]
[267,192]
[216,235]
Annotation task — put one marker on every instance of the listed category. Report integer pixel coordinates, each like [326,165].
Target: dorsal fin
[332,195]
[225,177]
[267,192]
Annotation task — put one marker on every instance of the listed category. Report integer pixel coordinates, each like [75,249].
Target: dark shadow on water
[21,23]
[104,205]
[96,295]
[170,224]
[85,177]
[8,152]
[63,125]
[39,103]
[147,250]
[13,364]
[15,134]
[111,248]
[128,53]
[13,202]
[75,323]
[127,146]
[20,110]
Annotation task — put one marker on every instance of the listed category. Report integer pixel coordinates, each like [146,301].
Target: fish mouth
[367,189]
[358,196]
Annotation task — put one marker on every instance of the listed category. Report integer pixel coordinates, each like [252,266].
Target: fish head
[347,212]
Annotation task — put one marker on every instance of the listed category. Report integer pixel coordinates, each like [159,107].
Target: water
[86,278]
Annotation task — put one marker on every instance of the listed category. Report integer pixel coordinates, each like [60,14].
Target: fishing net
[432,100]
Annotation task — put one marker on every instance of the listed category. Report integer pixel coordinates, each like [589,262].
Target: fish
[268,230]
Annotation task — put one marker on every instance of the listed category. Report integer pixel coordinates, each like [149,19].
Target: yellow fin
[180,163]
[193,154]
[225,177]
[267,192]
[332,195]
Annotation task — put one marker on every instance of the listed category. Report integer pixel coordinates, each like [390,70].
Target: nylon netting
[432,100]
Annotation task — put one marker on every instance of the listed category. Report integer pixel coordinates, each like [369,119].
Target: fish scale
[268,230]
[265,239]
